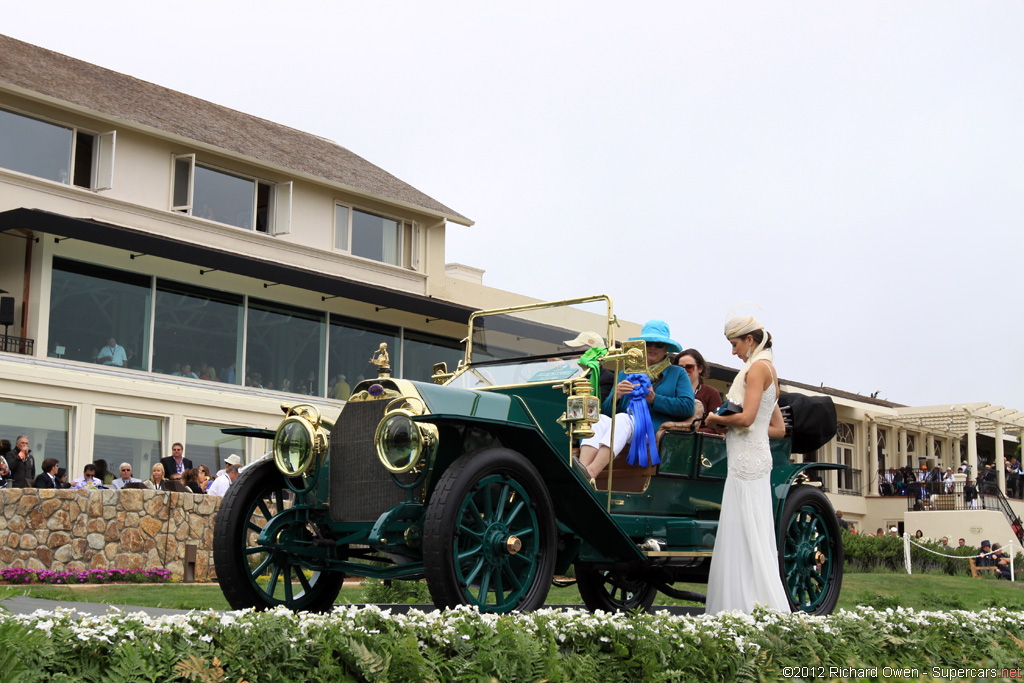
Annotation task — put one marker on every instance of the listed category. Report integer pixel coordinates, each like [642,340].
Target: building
[232,263]
[172,266]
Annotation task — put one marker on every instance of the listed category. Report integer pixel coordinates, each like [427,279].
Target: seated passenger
[669,398]
[693,363]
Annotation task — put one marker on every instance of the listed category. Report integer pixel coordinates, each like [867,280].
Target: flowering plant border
[22,575]
[369,644]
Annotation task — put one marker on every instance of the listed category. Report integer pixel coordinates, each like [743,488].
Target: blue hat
[656,331]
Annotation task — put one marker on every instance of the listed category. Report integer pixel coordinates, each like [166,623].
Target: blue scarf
[644,438]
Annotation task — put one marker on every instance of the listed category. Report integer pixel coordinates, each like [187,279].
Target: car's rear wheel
[612,591]
[489,534]
[810,551]
[252,575]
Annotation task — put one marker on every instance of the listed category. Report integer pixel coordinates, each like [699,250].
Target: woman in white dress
[745,564]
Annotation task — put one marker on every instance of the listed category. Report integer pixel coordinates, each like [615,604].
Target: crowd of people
[925,482]
[173,473]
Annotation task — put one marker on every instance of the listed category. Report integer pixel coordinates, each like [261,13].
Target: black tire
[252,576]
[613,592]
[483,502]
[810,551]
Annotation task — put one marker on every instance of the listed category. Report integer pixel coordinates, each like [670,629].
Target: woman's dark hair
[702,366]
[189,475]
[758,335]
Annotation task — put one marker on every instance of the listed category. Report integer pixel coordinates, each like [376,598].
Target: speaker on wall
[6,310]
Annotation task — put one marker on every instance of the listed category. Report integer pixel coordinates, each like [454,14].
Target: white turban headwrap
[741,327]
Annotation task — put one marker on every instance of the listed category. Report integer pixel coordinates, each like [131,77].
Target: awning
[952,419]
[133,240]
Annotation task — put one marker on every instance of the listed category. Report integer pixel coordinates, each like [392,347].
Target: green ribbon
[591,360]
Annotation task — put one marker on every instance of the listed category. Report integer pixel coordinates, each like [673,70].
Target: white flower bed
[372,644]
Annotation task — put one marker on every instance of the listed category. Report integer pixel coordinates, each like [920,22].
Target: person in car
[670,397]
[696,369]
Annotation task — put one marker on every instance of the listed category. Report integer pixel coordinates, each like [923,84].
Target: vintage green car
[470,483]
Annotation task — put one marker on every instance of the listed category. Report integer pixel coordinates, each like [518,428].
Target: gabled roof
[112,94]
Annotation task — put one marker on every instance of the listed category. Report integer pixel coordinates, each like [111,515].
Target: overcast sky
[855,168]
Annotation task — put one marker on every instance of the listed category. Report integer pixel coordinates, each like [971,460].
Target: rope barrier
[907,540]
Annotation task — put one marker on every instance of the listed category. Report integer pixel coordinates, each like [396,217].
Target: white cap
[232,459]
[893,529]
[586,339]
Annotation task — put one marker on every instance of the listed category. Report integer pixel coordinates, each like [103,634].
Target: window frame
[410,238]
[101,171]
[279,209]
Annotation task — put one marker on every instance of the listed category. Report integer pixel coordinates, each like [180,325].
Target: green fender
[782,483]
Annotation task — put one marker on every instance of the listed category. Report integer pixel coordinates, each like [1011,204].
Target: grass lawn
[879,590]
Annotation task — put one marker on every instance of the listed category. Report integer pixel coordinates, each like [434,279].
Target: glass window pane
[285,348]
[197,333]
[137,441]
[182,179]
[90,306]
[223,197]
[207,445]
[421,351]
[45,426]
[352,344]
[341,227]
[375,237]
[35,147]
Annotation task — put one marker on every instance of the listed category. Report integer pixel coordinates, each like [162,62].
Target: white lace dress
[745,565]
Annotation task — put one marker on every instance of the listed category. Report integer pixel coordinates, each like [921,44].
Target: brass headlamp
[301,439]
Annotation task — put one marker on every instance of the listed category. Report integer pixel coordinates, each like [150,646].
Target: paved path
[25,605]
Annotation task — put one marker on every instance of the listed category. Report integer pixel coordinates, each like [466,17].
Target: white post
[906,550]
[972,447]
[929,448]
[1000,458]
[1010,545]
[903,451]
[872,465]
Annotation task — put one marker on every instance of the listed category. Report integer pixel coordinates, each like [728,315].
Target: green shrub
[376,592]
[885,553]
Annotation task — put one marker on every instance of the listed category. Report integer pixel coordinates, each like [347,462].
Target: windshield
[528,344]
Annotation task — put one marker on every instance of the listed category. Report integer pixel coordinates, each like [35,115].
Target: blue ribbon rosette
[645,440]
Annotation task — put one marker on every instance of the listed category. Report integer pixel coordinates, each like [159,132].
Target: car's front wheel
[253,575]
[489,535]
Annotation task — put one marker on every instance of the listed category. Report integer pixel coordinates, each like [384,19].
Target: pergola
[956,421]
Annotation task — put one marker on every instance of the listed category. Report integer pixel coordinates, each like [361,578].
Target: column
[929,448]
[954,449]
[1000,459]
[972,447]
[872,467]
[902,435]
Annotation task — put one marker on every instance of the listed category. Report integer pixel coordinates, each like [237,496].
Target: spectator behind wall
[21,463]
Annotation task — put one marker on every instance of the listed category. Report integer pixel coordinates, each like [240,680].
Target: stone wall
[129,529]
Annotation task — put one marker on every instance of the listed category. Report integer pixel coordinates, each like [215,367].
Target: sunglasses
[656,345]
[689,367]
[126,469]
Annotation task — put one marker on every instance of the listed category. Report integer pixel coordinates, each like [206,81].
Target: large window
[99,315]
[198,333]
[421,351]
[376,237]
[207,445]
[127,438]
[45,426]
[59,153]
[352,344]
[285,348]
[218,195]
